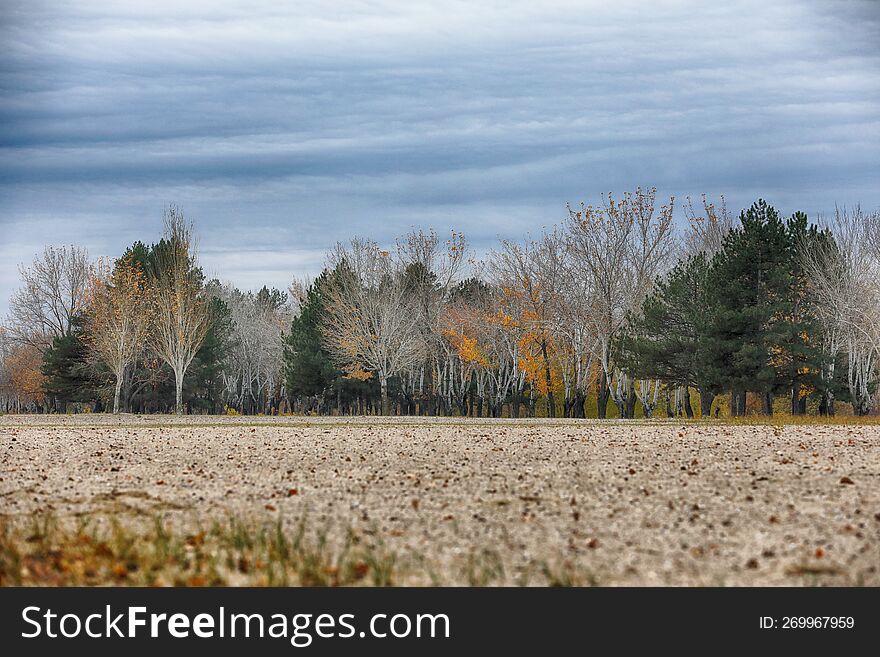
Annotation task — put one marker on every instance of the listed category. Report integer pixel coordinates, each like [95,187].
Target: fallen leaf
[360,570]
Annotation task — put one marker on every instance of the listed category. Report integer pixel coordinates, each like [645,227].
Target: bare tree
[252,370]
[118,318]
[575,336]
[181,311]
[502,340]
[707,227]
[53,293]
[844,273]
[297,293]
[431,269]
[371,324]
[620,248]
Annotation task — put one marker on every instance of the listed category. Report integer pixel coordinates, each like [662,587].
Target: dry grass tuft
[96,551]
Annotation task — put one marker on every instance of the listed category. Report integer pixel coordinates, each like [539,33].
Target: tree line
[617,311]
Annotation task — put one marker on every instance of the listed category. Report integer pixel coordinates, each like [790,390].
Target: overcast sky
[281,127]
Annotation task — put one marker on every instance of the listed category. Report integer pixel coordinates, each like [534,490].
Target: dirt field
[469,502]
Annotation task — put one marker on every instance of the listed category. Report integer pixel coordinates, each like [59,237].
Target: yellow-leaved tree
[181,313]
[118,319]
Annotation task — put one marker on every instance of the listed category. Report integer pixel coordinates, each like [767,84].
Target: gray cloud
[281,127]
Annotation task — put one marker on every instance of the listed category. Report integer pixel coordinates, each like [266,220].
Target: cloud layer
[282,127]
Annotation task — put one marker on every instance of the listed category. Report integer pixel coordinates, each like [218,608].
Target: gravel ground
[500,502]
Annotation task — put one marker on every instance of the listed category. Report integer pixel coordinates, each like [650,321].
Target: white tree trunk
[118,392]
[178,386]
[386,407]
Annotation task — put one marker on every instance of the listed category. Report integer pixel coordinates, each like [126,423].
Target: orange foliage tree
[530,277]
[24,363]
[486,338]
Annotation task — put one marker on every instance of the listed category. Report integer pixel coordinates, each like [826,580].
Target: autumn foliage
[615,311]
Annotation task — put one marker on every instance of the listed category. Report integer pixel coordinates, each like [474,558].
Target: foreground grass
[44,551]
[98,550]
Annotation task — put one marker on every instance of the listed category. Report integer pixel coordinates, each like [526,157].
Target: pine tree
[69,376]
[796,353]
[666,339]
[204,383]
[308,369]
[749,286]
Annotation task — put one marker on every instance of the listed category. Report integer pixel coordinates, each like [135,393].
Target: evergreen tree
[796,354]
[749,285]
[308,369]
[204,382]
[272,299]
[666,340]
[139,254]
[69,376]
